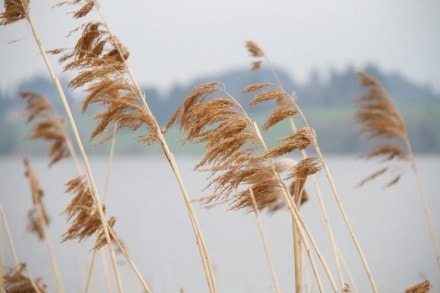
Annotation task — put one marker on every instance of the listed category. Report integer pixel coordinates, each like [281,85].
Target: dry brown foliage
[83,214]
[35,220]
[15,281]
[47,126]
[234,154]
[423,287]
[15,10]
[255,52]
[381,120]
[99,58]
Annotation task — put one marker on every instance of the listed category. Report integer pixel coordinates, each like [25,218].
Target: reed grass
[380,120]
[243,172]
[261,57]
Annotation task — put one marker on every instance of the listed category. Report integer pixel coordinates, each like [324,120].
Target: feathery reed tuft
[99,57]
[423,287]
[83,214]
[47,127]
[256,52]
[233,151]
[16,281]
[15,10]
[35,221]
[380,119]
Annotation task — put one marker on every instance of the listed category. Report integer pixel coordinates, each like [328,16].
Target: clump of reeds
[259,55]
[99,60]
[381,120]
[236,156]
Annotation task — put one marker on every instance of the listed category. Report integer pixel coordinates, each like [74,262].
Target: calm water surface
[153,223]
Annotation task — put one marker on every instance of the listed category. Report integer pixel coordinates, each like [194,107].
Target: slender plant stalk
[2,286]
[106,272]
[48,242]
[14,251]
[302,228]
[173,164]
[315,183]
[81,147]
[104,197]
[340,206]
[265,243]
[424,201]
[324,212]
[297,251]
[10,240]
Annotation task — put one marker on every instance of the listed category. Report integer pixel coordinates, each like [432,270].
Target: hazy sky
[175,41]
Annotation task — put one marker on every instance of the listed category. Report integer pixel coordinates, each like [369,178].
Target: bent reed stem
[339,203]
[425,204]
[207,266]
[81,147]
[265,243]
[302,228]
[315,183]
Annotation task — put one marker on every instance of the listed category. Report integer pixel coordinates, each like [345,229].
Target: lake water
[153,223]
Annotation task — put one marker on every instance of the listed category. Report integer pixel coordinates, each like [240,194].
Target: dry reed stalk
[39,222]
[380,118]
[103,72]
[276,284]
[104,197]
[285,106]
[23,9]
[231,142]
[339,202]
[36,284]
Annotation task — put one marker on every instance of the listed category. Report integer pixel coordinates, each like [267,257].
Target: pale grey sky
[175,41]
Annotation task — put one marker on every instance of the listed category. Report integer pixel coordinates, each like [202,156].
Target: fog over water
[153,223]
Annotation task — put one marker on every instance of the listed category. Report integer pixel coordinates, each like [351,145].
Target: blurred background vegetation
[328,103]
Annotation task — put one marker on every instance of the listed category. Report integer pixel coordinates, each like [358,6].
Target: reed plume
[83,214]
[233,152]
[39,221]
[423,287]
[16,281]
[291,99]
[380,119]
[235,155]
[37,216]
[15,10]
[100,60]
[46,126]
